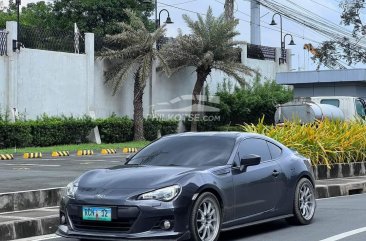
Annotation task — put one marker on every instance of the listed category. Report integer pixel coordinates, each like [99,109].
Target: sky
[270,35]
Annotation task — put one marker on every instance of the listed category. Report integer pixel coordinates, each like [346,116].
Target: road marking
[345,235]
[39,238]
[31,165]
[34,190]
[30,210]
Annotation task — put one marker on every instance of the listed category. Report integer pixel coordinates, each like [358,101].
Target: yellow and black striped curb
[6,157]
[32,155]
[60,153]
[108,151]
[85,153]
[129,150]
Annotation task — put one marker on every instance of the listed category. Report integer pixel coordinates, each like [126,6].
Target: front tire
[304,203]
[206,218]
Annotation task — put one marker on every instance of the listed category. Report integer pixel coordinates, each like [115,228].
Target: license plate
[97,214]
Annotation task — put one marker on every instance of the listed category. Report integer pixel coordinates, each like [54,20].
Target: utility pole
[229,9]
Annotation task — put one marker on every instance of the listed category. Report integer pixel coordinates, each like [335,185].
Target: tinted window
[360,108]
[334,102]
[186,151]
[255,146]
[275,150]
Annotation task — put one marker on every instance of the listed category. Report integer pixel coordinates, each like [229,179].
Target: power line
[191,1]
[332,9]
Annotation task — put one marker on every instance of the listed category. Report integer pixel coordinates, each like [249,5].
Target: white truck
[309,109]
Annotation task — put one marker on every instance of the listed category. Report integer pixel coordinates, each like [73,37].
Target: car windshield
[186,151]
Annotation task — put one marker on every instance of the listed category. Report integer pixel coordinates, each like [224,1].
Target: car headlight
[164,194]
[71,189]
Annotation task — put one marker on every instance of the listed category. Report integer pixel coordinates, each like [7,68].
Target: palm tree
[209,46]
[133,52]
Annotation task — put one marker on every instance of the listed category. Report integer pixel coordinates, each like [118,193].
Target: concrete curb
[85,153]
[32,155]
[108,151]
[17,201]
[4,157]
[29,228]
[335,190]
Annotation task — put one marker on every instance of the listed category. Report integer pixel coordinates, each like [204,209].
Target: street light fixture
[157,20]
[168,19]
[282,60]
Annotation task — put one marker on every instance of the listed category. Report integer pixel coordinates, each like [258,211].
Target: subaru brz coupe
[191,186]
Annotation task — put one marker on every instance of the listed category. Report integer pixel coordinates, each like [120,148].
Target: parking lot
[30,174]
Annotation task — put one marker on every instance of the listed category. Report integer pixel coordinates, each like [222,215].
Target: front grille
[120,225]
[123,219]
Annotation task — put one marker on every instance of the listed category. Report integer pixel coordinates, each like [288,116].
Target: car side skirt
[257,222]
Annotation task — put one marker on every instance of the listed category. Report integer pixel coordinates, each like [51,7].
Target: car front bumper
[137,220]
[65,231]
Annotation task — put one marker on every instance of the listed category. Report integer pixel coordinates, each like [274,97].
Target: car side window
[274,150]
[255,146]
[360,108]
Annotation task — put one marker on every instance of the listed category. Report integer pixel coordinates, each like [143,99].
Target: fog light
[63,219]
[166,225]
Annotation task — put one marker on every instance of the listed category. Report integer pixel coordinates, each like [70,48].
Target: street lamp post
[282,60]
[16,43]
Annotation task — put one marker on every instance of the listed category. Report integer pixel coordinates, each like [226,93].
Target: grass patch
[73,148]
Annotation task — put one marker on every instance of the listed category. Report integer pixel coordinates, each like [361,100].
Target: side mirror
[249,160]
[128,158]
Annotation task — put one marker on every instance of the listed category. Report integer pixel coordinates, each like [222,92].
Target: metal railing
[53,40]
[3,42]
[261,52]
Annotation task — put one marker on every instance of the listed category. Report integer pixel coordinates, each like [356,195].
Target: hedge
[50,131]
[115,129]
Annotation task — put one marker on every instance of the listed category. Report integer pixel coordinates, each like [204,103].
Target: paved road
[335,219]
[29,174]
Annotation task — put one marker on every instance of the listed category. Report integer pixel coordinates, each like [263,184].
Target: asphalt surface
[30,174]
[335,219]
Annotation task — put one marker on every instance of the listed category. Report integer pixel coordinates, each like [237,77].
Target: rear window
[334,102]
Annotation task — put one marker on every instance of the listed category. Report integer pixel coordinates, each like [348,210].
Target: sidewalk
[340,186]
[29,223]
[43,221]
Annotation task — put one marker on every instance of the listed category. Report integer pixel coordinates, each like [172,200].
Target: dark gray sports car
[191,186]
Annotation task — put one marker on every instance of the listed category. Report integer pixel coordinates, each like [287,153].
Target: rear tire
[206,218]
[304,203]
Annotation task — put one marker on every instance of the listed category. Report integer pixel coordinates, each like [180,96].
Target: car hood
[133,177]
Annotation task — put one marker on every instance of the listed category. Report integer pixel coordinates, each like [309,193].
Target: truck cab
[352,107]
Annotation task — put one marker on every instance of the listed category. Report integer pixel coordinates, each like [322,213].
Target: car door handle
[275,173]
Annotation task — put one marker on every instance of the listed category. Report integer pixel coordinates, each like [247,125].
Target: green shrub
[229,128]
[168,127]
[326,142]
[248,105]
[16,134]
[151,128]
[115,129]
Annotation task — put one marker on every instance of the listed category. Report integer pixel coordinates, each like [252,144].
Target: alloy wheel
[306,201]
[208,220]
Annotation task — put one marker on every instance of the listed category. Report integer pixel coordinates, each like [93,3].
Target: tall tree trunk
[138,111]
[197,90]
[229,9]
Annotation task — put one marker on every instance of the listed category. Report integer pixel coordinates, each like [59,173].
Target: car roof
[230,134]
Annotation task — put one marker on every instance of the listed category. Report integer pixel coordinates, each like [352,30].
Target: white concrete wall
[55,83]
[51,82]
[3,83]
